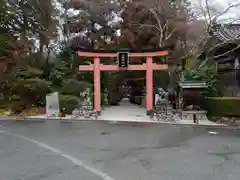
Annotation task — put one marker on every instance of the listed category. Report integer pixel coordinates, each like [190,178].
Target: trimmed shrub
[114,97]
[74,87]
[222,106]
[17,107]
[32,91]
[27,72]
[26,82]
[58,73]
[2,103]
[68,103]
[102,99]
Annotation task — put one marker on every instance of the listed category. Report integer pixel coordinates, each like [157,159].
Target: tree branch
[166,28]
[204,13]
[156,17]
[159,25]
[208,13]
[226,53]
[146,25]
[170,35]
[225,11]
[192,48]
[223,43]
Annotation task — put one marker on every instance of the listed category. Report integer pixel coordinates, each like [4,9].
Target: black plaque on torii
[123,59]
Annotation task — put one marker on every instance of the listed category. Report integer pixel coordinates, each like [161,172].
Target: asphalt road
[94,151]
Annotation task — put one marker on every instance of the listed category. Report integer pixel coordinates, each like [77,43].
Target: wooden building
[224,47]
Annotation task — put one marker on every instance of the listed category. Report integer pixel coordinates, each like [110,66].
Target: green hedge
[18,107]
[2,103]
[68,103]
[222,106]
[74,87]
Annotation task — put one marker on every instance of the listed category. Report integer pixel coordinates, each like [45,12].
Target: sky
[234,11]
[221,5]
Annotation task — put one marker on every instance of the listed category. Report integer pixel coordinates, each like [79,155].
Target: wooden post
[149,84]
[97,85]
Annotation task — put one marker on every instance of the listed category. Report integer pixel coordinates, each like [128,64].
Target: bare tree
[168,18]
[217,30]
[194,26]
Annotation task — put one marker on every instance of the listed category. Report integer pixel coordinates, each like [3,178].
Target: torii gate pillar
[149,84]
[97,85]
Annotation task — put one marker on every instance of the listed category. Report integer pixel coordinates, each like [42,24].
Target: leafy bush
[68,103]
[102,99]
[27,72]
[31,90]
[74,87]
[17,107]
[27,84]
[205,71]
[59,72]
[35,111]
[222,106]
[2,102]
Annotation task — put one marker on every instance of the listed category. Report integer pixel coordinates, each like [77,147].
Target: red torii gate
[149,66]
